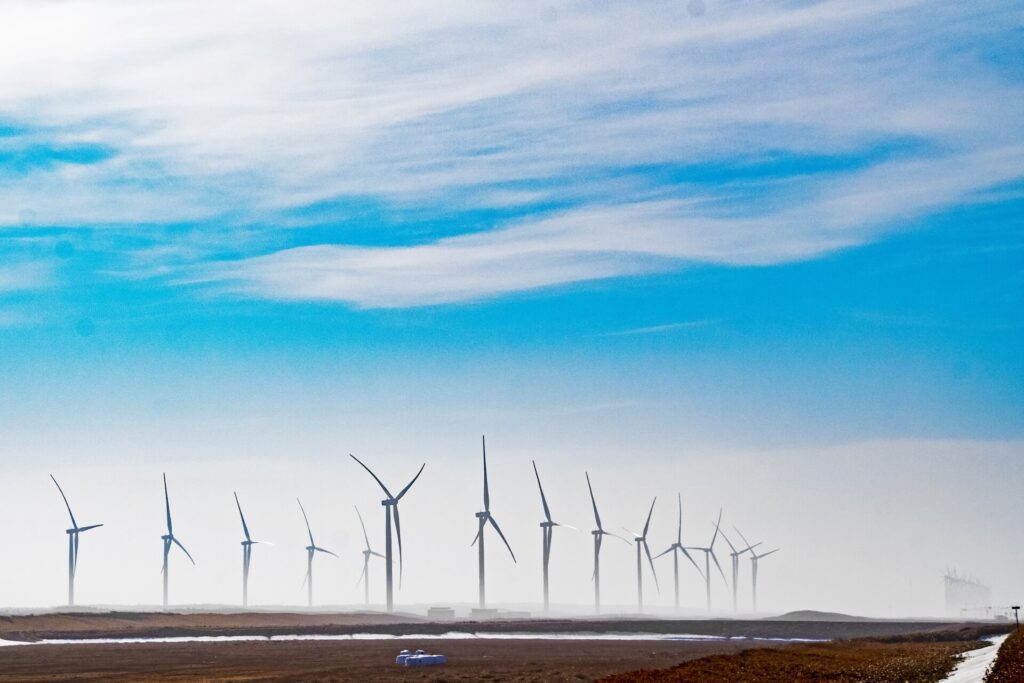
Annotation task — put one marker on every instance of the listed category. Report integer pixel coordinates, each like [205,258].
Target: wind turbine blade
[713,557]
[398,533]
[310,531]
[409,485]
[692,561]
[665,553]
[717,525]
[726,539]
[376,554]
[679,529]
[597,516]
[375,477]
[362,574]
[87,528]
[742,536]
[750,548]
[608,533]
[565,526]
[498,529]
[487,492]
[74,524]
[650,559]
[770,552]
[365,537]
[184,550]
[647,525]
[479,530]
[632,533]
[324,550]
[167,504]
[74,558]
[543,500]
[245,527]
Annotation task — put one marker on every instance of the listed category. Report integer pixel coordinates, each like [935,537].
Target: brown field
[1009,665]
[842,662]
[335,661]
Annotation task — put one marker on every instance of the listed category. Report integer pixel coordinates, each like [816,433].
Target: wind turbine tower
[641,545]
[735,555]
[677,548]
[599,534]
[247,545]
[391,503]
[72,533]
[483,518]
[709,554]
[169,538]
[547,526]
[754,558]
[367,554]
[311,550]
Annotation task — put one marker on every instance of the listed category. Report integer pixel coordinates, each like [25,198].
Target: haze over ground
[767,255]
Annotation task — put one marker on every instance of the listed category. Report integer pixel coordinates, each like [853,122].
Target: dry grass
[852,661]
[1009,664]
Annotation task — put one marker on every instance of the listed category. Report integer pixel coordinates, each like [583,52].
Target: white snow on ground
[973,667]
[452,635]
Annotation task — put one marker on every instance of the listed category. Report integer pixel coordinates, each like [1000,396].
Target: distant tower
[966,596]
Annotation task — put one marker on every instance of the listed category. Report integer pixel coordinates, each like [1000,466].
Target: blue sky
[754,207]
[667,226]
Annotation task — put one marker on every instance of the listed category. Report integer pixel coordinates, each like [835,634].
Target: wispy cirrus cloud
[592,121]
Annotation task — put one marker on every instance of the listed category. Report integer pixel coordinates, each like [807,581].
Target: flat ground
[469,659]
[324,661]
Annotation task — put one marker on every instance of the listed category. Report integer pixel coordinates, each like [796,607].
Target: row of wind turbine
[484,517]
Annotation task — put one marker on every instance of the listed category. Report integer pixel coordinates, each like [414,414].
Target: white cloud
[238,111]
[611,241]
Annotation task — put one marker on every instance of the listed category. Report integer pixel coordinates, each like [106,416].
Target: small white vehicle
[419,658]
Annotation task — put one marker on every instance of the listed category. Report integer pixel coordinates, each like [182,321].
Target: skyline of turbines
[484,517]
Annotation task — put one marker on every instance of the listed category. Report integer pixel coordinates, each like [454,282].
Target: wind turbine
[709,554]
[389,503]
[247,545]
[72,544]
[365,576]
[311,550]
[547,526]
[754,557]
[170,538]
[735,555]
[599,533]
[482,519]
[641,543]
[677,548]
